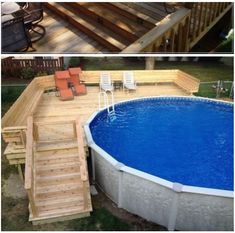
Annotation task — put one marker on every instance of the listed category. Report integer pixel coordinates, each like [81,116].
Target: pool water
[180,140]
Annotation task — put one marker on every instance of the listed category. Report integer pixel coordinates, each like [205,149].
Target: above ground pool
[181,140]
[167,159]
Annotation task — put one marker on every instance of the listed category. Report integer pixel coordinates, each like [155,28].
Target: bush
[27,73]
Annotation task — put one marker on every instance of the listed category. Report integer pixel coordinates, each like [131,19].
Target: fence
[12,66]
[216,89]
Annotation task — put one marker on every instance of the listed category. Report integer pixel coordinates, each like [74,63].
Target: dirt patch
[13,187]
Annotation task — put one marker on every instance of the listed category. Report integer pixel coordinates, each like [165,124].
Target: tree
[149,63]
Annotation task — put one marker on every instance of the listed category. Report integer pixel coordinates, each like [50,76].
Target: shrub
[27,73]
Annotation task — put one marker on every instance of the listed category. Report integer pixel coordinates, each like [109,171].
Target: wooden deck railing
[168,36]
[29,166]
[204,15]
[181,30]
[13,66]
[82,160]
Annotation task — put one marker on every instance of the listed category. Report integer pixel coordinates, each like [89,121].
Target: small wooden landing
[59,192]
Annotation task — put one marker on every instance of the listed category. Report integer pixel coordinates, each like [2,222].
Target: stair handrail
[29,166]
[82,160]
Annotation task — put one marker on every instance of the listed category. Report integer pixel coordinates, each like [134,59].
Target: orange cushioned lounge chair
[80,89]
[61,81]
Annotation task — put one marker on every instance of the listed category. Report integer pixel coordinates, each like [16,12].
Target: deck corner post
[177,188]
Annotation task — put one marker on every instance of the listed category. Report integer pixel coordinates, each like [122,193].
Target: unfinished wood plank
[45,220]
[56,145]
[29,154]
[58,179]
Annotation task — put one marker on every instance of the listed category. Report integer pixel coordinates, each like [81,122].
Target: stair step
[57,204]
[57,154]
[52,180]
[129,29]
[132,14]
[96,31]
[58,188]
[56,161]
[56,195]
[143,10]
[47,146]
[52,166]
[58,171]
[68,210]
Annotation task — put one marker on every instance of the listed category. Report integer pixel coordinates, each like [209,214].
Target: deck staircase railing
[29,166]
[82,160]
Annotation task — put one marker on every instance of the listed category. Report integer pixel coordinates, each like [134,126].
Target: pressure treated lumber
[53,119]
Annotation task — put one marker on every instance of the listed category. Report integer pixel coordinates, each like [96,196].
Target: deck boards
[52,109]
[63,37]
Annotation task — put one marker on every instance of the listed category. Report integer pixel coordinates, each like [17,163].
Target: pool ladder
[110,108]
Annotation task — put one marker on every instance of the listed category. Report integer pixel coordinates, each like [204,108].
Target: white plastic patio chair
[129,81]
[106,82]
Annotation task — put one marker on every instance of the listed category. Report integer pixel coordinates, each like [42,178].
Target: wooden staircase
[56,178]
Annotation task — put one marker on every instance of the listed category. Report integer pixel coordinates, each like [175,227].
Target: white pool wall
[172,205]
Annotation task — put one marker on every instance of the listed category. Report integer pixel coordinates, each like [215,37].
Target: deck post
[177,188]
[20,172]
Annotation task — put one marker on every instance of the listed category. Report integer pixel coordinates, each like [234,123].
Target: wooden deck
[86,27]
[61,37]
[46,135]
[51,108]
[97,27]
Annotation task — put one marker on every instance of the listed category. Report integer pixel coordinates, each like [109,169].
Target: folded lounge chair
[129,81]
[105,82]
[61,81]
[74,78]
